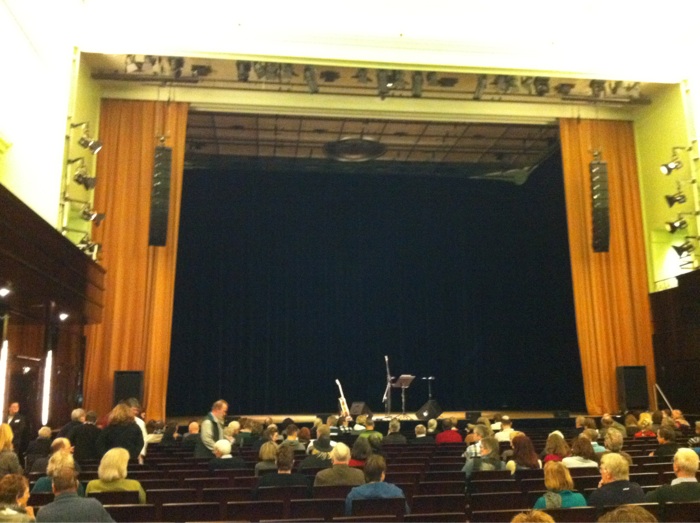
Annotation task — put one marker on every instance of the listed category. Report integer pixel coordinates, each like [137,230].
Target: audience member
[190,439]
[112,473]
[667,444]
[679,420]
[57,445]
[84,439]
[448,435]
[555,448]
[631,425]
[628,514]
[223,459]
[60,459]
[657,418]
[532,516]
[497,423]
[615,488]
[38,448]
[582,454]
[171,436]
[376,487]
[267,458]
[139,416]
[614,440]
[341,473]
[320,456]
[503,435]
[421,437]
[488,458]
[685,486]
[369,429]
[394,435]
[321,431]
[9,462]
[432,426]
[122,431]
[211,430]
[359,425]
[245,435]
[592,436]
[19,426]
[14,493]
[607,422]
[474,450]
[77,418]
[361,450]
[645,427]
[284,476]
[524,455]
[695,440]
[305,436]
[292,439]
[560,486]
[67,505]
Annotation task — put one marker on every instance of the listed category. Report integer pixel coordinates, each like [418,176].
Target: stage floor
[308,418]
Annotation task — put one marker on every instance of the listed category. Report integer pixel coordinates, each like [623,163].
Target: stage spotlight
[243,70]
[541,85]
[92,145]
[674,226]
[63,316]
[564,89]
[417,84]
[89,215]
[362,75]
[482,82]
[683,249]
[673,199]
[5,290]
[673,165]
[82,178]
[597,88]
[382,83]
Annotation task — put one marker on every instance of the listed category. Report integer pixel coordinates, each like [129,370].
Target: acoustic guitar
[344,410]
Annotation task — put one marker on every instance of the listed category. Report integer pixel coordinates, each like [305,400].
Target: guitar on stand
[344,410]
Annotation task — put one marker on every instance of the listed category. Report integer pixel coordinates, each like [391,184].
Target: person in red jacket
[448,435]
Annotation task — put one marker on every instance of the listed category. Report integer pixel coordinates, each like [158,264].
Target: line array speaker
[160,196]
[601,207]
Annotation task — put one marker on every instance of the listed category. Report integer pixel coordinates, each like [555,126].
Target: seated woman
[14,493]
[555,449]
[361,450]
[61,459]
[524,455]
[268,458]
[112,475]
[582,454]
[631,425]
[488,459]
[9,462]
[559,484]
[645,428]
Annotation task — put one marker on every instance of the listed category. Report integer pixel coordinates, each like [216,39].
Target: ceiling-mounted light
[90,215]
[310,78]
[673,199]
[417,84]
[5,290]
[676,225]
[243,68]
[362,75]
[177,64]
[684,249]
[597,88]
[63,316]
[85,141]
[432,78]
[564,89]
[482,82]
[504,83]
[382,83]
[541,85]
[673,165]
[286,72]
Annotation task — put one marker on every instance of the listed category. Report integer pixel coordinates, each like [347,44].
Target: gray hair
[616,465]
[341,453]
[614,440]
[223,447]
[394,425]
[687,460]
[77,414]
[420,430]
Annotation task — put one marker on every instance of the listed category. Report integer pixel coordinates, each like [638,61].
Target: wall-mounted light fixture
[85,141]
[89,215]
[676,225]
[310,78]
[82,176]
[684,249]
[673,199]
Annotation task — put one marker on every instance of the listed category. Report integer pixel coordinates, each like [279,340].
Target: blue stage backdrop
[290,278]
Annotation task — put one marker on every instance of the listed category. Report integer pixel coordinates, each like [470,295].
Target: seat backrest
[116,497]
[498,501]
[379,507]
[422,504]
[222,494]
[136,513]
[197,511]
[493,485]
[39,499]
[331,491]
[574,514]
[171,495]
[682,511]
[324,508]
[254,510]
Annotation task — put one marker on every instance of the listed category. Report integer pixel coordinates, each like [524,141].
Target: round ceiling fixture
[354,149]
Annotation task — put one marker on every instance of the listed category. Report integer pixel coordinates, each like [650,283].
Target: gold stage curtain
[136,328]
[611,297]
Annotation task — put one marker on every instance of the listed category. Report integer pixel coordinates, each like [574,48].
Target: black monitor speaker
[359,407]
[128,384]
[431,410]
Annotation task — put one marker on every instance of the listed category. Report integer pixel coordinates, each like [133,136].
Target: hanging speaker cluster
[160,196]
[600,204]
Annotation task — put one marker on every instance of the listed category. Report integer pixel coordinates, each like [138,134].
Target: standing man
[18,422]
[211,430]
[136,410]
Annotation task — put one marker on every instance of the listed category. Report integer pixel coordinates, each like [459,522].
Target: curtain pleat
[613,315]
[136,328]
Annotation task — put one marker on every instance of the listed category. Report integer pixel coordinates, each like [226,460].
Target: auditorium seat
[324,508]
[224,494]
[525,474]
[528,485]
[379,507]
[253,510]
[494,516]
[39,499]
[645,478]
[444,475]
[205,482]
[490,474]
[441,487]
[283,494]
[171,495]
[428,504]
[679,512]
[136,513]
[331,491]
[161,483]
[498,501]
[574,514]
[197,511]
[401,477]
[364,519]
[116,497]
[493,485]
[437,517]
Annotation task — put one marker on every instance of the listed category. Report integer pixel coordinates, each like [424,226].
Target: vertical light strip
[47,388]
[3,376]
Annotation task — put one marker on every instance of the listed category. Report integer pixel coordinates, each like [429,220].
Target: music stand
[403,381]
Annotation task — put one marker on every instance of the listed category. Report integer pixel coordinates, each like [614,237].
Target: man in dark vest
[211,430]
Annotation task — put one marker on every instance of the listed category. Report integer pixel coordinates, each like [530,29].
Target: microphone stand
[387,392]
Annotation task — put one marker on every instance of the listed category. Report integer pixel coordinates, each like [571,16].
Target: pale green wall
[658,128]
[37,67]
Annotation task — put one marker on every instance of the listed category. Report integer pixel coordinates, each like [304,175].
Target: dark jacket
[70,507]
[128,436]
[84,439]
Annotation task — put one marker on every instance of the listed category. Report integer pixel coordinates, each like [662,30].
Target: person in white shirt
[506,429]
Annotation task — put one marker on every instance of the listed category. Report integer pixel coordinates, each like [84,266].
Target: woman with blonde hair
[122,431]
[112,475]
[560,486]
[645,426]
[9,462]
[268,458]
